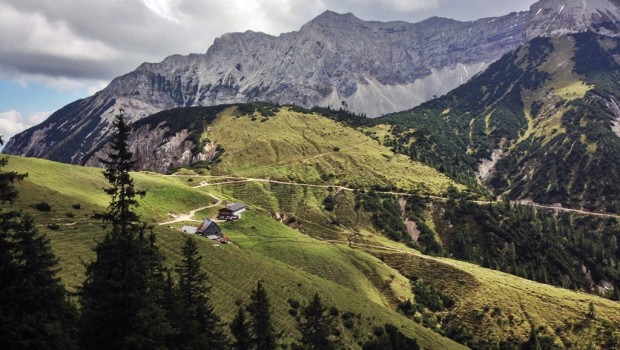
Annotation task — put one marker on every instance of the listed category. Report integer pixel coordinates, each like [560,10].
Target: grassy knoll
[311,148]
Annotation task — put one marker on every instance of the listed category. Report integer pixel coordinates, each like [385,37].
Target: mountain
[336,59]
[540,124]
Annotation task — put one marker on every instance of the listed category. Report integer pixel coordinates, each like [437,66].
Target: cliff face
[334,60]
[158,150]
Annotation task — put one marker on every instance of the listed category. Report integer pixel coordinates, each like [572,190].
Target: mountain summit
[558,17]
[335,60]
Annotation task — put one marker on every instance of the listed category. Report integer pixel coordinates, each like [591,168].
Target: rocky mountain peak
[559,17]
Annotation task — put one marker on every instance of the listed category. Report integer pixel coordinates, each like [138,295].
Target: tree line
[129,298]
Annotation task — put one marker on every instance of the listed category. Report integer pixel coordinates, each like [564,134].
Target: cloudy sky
[53,52]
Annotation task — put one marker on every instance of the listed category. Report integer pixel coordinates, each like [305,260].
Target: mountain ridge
[312,66]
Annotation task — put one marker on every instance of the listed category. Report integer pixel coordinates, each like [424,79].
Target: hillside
[368,276]
[326,175]
[233,269]
[282,143]
[540,124]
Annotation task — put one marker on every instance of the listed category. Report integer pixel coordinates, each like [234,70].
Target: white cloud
[162,8]
[62,84]
[397,5]
[13,122]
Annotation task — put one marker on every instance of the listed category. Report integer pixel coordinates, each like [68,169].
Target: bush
[329,203]
[77,206]
[70,215]
[348,323]
[42,206]
[294,303]
[333,311]
[54,227]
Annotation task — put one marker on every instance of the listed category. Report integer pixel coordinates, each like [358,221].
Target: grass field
[313,149]
[365,280]
[289,271]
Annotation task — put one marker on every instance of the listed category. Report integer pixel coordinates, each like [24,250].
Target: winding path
[236,179]
[190,216]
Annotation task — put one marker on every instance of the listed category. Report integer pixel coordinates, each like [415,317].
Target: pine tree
[199,325]
[239,328]
[34,311]
[8,192]
[591,311]
[317,326]
[124,288]
[263,336]
[171,305]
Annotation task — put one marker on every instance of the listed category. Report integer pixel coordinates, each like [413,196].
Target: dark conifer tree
[199,327]
[34,311]
[263,335]
[317,327]
[124,288]
[239,327]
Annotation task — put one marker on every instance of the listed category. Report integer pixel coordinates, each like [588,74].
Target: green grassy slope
[311,148]
[364,280]
[295,266]
[494,307]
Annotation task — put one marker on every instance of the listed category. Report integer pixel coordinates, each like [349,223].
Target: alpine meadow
[353,184]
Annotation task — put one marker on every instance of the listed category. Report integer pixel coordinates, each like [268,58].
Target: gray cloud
[98,40]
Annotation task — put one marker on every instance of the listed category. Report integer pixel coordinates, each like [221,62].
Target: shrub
[333,311]
[43,206]
[54,227]
[329,203]
[77,206]
[294,303]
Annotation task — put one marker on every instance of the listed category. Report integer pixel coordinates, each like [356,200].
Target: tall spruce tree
[239,327]
[197,324]
[123,293]
[34,311]
[263,335]
[317,327]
